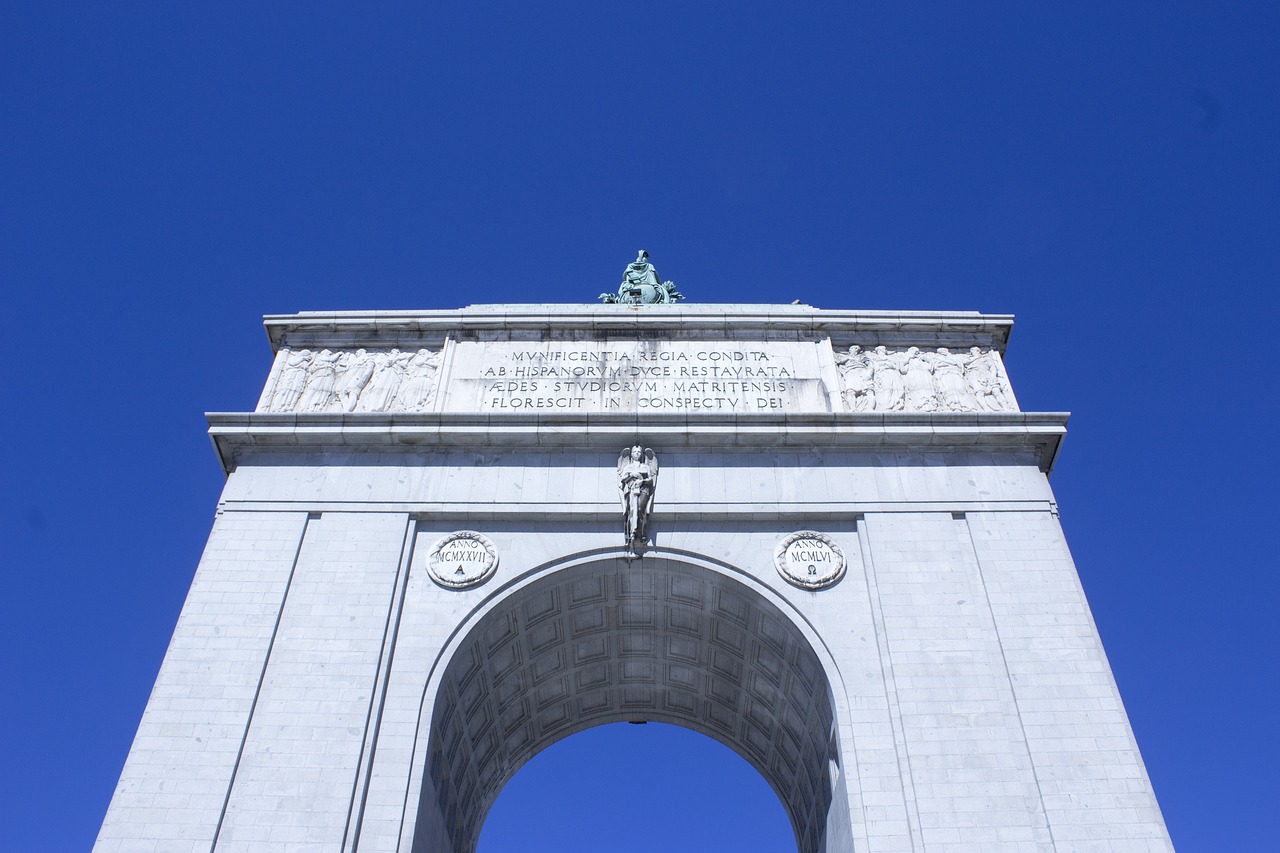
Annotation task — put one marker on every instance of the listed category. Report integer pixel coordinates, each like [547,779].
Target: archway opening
[618,640]
[634,789]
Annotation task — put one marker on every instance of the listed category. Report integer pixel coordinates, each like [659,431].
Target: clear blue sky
[1108,172]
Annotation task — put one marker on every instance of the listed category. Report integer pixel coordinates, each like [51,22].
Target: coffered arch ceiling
[616,640]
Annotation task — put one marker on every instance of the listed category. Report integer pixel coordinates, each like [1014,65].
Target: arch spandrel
[601,638]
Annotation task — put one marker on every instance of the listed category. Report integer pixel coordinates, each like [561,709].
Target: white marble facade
[413,584]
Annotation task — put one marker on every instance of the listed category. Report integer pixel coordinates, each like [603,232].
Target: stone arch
[605,638]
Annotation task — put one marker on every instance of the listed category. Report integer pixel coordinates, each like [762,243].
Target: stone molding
[413,329]
[235,434]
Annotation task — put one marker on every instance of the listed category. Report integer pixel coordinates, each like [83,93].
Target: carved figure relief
[359,381]
[917,372]
[983,378]
[419,383]
[859,379]
[357,369]
[381,390]
[918,381]
[637,481]
[322,374]
[293,378]
[948,380]
[890,389]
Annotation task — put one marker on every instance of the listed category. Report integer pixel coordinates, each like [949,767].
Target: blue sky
[1107,172]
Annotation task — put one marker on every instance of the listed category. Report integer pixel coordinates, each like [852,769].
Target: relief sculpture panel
[357,381]
[915,380]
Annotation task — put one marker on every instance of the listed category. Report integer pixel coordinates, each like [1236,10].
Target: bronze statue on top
[641,286]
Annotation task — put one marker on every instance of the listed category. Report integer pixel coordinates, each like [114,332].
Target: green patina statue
[641,286]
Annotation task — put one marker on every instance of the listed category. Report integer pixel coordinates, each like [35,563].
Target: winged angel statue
[637,481]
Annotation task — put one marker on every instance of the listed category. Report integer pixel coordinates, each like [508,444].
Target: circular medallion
[809,560]
[462,560]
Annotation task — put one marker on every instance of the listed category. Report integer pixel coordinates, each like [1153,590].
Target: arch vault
[599,642]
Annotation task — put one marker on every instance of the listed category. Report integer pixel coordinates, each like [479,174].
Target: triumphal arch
[448,539]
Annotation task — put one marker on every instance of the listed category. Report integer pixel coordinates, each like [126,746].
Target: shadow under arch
[604,638]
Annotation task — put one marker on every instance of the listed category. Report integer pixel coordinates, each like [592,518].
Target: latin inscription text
[671,376]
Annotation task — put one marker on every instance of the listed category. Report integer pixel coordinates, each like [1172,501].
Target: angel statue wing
[623,459]
[652,459]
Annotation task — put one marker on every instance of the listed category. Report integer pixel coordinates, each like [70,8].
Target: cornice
[237,435]
[318,328]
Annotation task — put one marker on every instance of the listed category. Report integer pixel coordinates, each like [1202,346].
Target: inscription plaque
[461,560]
[809,559]
[681,376]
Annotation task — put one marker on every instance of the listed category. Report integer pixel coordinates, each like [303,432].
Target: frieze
[725,376]
[355,381]
[916,380]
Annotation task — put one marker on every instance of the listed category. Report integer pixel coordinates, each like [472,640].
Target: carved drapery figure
[355,381]
[859,379]
[890,389]
[382,388]
[291,382]
[918,381]
[420,382]
[917,370]
[357,368]
[320,381]
[637,481]
[948,378]
[983,379]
